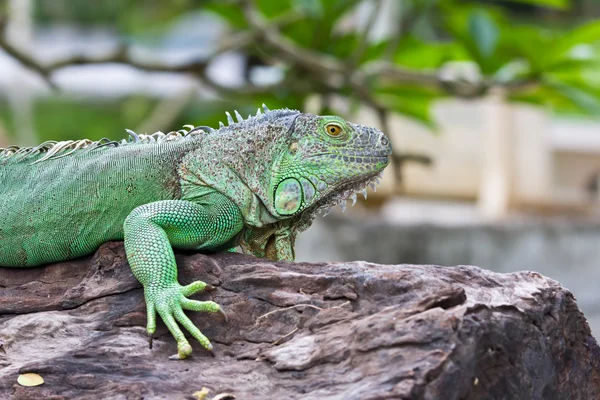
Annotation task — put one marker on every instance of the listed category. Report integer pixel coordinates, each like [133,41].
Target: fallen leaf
[201,394]
[30,379]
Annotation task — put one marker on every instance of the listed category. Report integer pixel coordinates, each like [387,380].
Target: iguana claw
[210,288]
[222,313]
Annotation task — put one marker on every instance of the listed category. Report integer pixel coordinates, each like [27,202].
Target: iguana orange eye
[333,130]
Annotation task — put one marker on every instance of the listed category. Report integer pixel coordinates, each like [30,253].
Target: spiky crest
[53,149]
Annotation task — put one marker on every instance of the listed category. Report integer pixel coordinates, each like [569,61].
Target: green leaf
[561,4]
[477,31]
[417,54]
[516,70]
[585,34]
[312,8]
[417,108]
[583,99]
[419,111]
[338,8]
[316,31]
[233,15]
[409,92]
[529,42]
[484,32]
[271,8]
[574,66]
[342,46]
[374,51]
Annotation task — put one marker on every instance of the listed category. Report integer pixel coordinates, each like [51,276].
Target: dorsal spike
[81,144]
[133,135]
[265,108]
[221,125]
[238,116]
[230,120]
[258,112]
[104,142]
[55,149]
[202,128]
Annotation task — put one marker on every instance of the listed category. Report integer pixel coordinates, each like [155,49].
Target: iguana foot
[170,302]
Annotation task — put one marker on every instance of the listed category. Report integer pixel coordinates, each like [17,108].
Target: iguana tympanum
[255,183]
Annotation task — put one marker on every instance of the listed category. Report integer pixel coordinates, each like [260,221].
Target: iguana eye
[333,130]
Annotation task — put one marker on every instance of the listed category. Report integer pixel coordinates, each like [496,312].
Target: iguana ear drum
[288,196]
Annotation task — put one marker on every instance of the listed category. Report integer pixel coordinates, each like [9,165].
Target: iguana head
[284,164]
[324,161]
[280,168]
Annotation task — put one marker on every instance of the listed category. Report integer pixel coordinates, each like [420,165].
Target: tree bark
[298,331]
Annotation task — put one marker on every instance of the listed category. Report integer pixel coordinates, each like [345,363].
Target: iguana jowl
[255,182]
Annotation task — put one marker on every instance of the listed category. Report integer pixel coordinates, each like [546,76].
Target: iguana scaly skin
[256,182]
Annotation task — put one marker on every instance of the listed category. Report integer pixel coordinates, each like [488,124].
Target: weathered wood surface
[298,331]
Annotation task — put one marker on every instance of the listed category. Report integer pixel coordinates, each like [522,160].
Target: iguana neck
[230,165]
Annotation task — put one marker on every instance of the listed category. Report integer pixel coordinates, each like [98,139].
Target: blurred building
[551,164]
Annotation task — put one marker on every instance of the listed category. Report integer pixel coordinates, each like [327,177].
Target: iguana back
[63,208]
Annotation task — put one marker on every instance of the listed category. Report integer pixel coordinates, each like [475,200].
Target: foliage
[435,48]
[554,67]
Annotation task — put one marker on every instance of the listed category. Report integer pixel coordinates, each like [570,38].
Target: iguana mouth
[347,191]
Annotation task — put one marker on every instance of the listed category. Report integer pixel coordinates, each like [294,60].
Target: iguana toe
[183,351]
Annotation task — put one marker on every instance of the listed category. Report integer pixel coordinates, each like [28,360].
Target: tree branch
[364,37]
[24,59]
[122,55]
[326,70]
[287,50]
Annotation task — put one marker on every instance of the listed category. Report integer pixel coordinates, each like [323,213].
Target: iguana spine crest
[53,149]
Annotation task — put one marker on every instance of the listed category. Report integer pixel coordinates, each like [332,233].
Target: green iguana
[254,183]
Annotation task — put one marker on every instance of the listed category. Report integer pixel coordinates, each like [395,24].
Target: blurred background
[493,109]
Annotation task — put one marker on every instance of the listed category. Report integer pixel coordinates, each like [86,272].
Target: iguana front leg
[150,232]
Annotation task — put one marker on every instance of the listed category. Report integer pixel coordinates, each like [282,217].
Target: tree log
[297,331]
